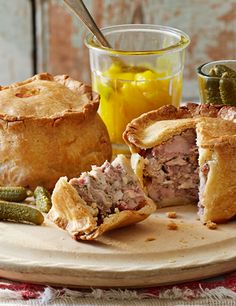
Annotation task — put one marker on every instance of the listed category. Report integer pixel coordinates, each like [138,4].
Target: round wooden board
[145,254]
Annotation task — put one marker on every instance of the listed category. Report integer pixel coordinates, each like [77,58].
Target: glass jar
[217,82]
[141,72]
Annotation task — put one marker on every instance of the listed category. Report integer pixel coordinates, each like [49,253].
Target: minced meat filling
[171,169]
[111,188]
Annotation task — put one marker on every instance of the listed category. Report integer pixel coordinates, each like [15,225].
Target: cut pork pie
[103,199]
[187,155]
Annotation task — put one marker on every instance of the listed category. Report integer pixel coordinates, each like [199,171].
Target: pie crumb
[211,225]
[171,214]
[172,226]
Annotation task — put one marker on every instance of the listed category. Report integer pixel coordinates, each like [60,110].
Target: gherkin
[221,89]
[42,199]
[228,89]
[215,72]
[219,70]
[211,91]
[13,194]
[20,213]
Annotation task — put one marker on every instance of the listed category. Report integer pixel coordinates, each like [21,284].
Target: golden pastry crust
[155,127]
[216,140]
[140,132]
[214,131]
[217,146]
[51,129]
[70,212]
[46,97]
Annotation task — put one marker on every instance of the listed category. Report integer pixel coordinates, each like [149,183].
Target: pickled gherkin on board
[42,199]
[20,213]
[221,89]
[14,194]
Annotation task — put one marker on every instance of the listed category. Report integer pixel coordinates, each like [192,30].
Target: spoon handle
[80,9]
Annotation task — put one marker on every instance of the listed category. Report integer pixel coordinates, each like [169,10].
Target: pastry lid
[155,127]
[215,132]
[46,97]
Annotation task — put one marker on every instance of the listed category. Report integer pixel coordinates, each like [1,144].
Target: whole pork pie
[187,155]
[49,127]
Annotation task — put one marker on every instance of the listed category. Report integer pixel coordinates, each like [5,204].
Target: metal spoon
[82,12]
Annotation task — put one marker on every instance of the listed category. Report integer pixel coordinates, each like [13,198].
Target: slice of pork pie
[187,155]
[103,199]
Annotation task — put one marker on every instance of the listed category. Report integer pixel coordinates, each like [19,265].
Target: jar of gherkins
[217,82]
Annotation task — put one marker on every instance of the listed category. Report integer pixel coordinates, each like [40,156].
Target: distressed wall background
[211,25]
[15,40]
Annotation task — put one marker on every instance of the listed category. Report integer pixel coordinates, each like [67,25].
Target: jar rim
[181,44]
[203,74]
